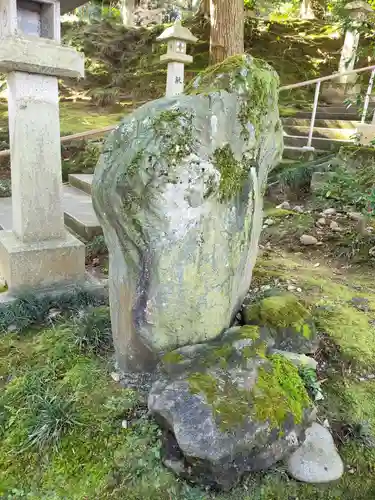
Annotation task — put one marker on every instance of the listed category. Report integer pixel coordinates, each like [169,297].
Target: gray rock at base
[179,191]
[217,409]
[317,460]
[285,205]
[334,226]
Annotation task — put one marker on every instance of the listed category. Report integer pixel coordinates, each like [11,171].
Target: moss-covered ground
[67,430]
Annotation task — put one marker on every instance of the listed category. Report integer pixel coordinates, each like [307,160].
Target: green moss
[172,358]
[249,332]
[277,213]
[233,173]
[278,393]
[280,311]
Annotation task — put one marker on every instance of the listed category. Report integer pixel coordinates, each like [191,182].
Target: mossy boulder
[228,408]
[288,321]
[179,193]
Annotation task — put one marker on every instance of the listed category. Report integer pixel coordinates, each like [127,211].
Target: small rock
[334,226]
[329,211]
[317,264]
[321,222]
[307,239]
[299,290]
[317,460]
[96,261]
[355,216]
[124,424]
[269,222]
[291,288]
[371,252]
[264,288]
[115,376]
[53,314]
[12,328]
[298,208]
[285,205]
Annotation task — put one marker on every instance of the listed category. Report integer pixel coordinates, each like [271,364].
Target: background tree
[227,29]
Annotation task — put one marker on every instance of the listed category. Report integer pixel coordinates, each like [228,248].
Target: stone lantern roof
[176,32]
[68,5]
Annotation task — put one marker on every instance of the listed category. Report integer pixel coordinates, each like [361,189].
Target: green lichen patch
[172,358]
[278,394]
[233,172]
[252,79]
[279,311]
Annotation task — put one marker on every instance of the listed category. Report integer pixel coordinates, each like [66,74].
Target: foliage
[30,308]
[96,247]
[5,188]
[92,330]
[296,177]
[80,157]
[311,382]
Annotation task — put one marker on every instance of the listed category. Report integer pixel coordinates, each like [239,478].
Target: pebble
[285,205]
[269,222]
[115,376]
[291,288]
[371,252]
[124,424]
[329,211]
[317,460]
[321,221]
[307,239]
[355,216]
[334,226]
[298,208]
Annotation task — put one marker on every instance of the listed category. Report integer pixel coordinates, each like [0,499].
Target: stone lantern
[176,37]
[38,251]
[358,12]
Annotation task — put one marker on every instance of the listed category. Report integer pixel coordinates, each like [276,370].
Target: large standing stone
[179,193]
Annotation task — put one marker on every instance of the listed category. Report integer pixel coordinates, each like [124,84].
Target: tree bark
[227,29]
[127,12]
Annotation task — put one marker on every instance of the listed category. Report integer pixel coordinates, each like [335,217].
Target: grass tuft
[92,330]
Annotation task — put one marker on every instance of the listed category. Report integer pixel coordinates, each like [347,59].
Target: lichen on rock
[179,191]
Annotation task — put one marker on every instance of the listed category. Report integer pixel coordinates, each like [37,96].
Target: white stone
[322,221]
[334,226]
[285,205]
[115,376]
[329,211]
[307,239]
[317,460]
[269,222]
[299,209]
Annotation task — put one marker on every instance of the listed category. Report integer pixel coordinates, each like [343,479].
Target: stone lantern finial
[176,37]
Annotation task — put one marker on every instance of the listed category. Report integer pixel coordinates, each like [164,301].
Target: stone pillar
[38,251]
[344,86]
[357,11]
[176,36]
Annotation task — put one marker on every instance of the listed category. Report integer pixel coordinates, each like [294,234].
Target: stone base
[24,265]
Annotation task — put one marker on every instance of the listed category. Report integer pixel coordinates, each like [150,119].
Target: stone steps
[79,216]
[83,182]
[344,134]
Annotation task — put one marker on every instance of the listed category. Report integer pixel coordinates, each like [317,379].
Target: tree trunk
[204,8]
[127,12]
[227,29]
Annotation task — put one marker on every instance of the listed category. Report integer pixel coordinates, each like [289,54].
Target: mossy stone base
[228,407]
